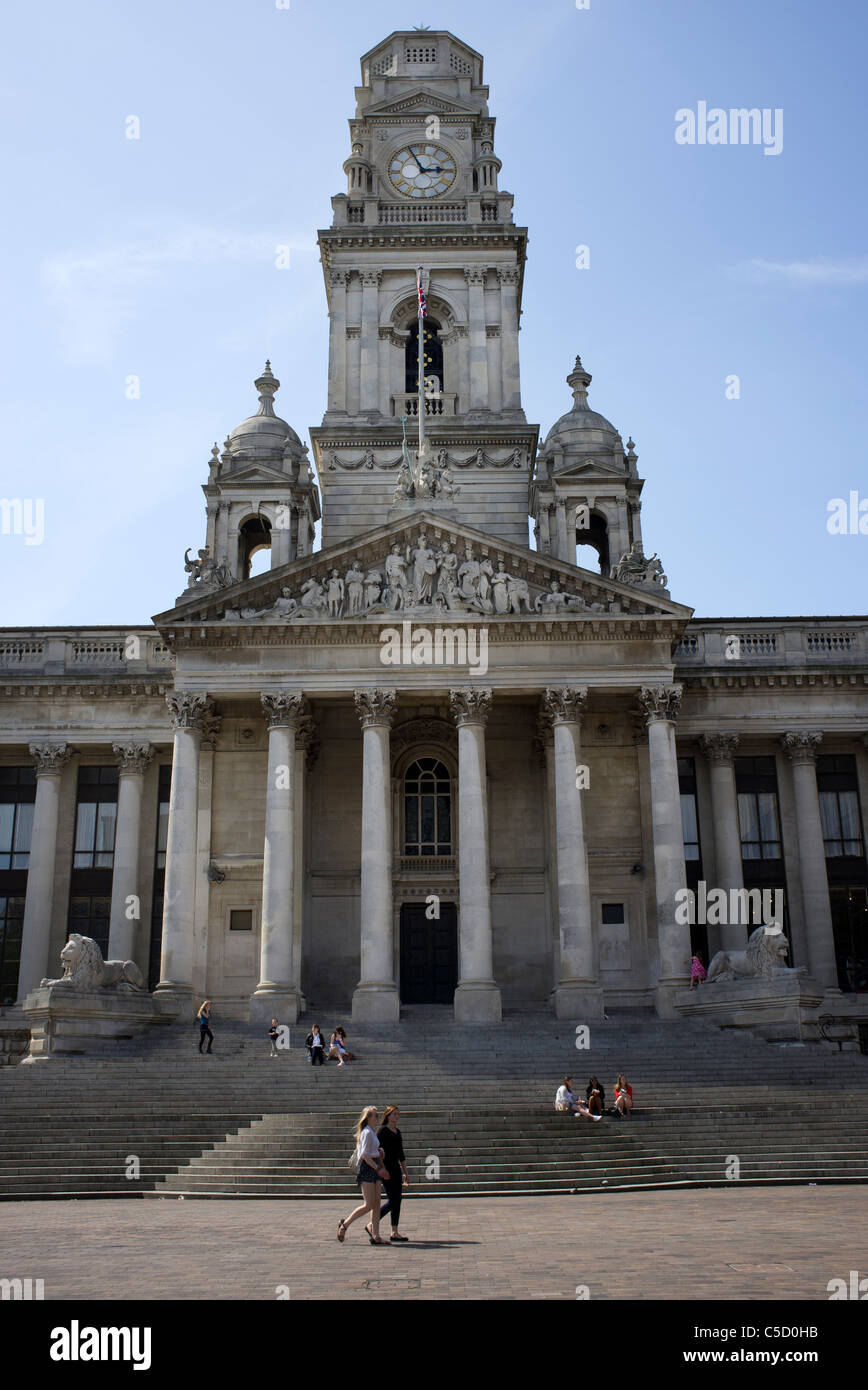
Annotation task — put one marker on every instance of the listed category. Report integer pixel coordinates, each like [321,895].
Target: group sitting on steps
[594,1104]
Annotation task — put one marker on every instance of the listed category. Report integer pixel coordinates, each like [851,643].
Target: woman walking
[204,1020]
[369,1158]
[392,1147]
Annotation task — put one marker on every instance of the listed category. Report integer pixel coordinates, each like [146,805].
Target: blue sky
[155,258]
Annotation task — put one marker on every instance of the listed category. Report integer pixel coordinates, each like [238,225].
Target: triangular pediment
[306,590]
[254,473]
[592,466]
[423,99]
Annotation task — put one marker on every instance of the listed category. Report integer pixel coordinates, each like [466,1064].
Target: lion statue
[767,949]
[84,968]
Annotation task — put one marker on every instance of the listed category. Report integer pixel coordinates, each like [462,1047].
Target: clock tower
[423,193]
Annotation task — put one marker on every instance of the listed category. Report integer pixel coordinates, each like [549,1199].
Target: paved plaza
[721,1243]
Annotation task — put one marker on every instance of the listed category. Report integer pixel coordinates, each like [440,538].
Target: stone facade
[428,757]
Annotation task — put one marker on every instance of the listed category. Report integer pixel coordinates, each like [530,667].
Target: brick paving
[788,1243]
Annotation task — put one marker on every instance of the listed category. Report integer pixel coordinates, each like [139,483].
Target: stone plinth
[783,1007]
[578,1003]
[66,1021]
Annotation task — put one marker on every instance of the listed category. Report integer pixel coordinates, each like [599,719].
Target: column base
[664,999]
[579,1003]
[478,1002]
[183,995]
[282,1004]
[373,1003]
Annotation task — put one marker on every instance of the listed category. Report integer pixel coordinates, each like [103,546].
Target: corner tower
[422,191]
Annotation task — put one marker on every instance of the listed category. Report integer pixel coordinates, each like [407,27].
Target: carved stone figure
[355,582]
[396,576]
[468,576]
[84,968]
[446,489]
[313,599]
[517,595]
[486,574]
[335,594]
[284,604]
[204,573]
[634,567]
[552,601]
[767,950]
[424,569]
[373,585]
[479,458]
[447,575]
[500,590]
[404,488]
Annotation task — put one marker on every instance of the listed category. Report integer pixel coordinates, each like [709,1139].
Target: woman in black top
[596,1096]
[392,1145]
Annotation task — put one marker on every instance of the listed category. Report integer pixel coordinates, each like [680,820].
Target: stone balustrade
[41,652]
[773,642]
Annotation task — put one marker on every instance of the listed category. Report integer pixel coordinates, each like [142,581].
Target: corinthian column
[475,278]
[508,276]
[801,749]
[577,994]
[337,400]
[134,758]
[719,749]
[274,996]
[188,713]
[376,999]
[673,939]
[51,759]
[370,395]
[477,998]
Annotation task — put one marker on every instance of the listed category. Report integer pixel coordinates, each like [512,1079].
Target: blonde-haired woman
[368,1161]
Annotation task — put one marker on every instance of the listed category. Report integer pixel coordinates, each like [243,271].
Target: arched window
[433,354]
[592,545]
[427,808]
[254,538]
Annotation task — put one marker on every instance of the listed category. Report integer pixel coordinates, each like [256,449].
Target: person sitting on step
[596,1098]
[623,1097]
[338,1047]
[315,1046]
[565,1100]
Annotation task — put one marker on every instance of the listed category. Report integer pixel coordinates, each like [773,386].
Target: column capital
[719,748]
[801,745]
[565,704]
[475,274]
[50,757]
[133,757]
[188,710]
[375,708]
[470,706]
[370,278]
[339,278]
[660,702]
[507,274]
[283,708]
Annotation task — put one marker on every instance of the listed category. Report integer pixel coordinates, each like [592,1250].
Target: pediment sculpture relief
[419,578]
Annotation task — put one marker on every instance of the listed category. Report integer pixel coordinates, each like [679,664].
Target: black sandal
[342,1231]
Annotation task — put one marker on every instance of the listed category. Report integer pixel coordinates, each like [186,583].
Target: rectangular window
[11,923]
[689,816]
[95,818]
[758,820]
[840,812]
[612,914]
[17,797]
[241,919]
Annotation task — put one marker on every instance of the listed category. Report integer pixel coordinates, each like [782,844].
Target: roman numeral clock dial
[422,171]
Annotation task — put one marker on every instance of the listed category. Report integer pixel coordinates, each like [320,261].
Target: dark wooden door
[429,955]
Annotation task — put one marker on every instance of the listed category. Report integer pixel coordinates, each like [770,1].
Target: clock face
[422,170]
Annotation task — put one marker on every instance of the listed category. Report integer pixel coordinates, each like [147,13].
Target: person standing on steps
[273,1035]
[204,1020]
[368,1161]
[392,1146]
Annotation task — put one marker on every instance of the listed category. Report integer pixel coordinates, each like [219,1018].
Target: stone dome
[581,428]
[264,433]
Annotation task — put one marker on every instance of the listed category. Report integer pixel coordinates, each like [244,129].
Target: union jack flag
[423,303]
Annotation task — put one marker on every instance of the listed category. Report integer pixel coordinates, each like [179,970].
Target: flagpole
[421,323]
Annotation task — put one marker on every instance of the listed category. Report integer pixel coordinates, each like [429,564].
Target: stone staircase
[153,1117]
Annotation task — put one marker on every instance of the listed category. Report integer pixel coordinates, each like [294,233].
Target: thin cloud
[819,272]
[96,293]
